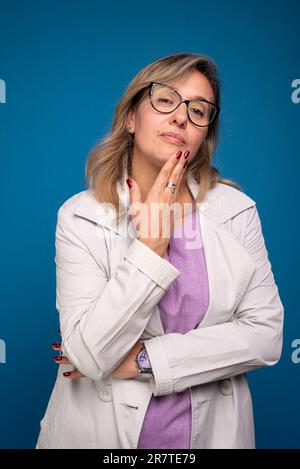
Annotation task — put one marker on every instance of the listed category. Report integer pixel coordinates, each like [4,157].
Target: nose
[180,115]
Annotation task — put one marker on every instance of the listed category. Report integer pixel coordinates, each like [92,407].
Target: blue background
[66,64]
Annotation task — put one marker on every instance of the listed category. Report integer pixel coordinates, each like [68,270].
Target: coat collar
[221,203]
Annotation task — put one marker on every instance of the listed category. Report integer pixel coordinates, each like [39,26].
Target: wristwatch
[143,364]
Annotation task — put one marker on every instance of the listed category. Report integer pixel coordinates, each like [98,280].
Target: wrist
[143,364]
[159,250]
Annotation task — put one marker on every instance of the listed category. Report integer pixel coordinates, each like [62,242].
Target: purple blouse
[167,423]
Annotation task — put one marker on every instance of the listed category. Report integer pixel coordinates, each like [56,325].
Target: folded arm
[102,319]
[252,340]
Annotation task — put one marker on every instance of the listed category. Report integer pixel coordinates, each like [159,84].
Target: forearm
[211,353]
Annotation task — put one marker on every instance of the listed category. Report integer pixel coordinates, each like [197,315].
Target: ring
[171,186]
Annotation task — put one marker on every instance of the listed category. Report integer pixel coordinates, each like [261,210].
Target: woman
[164,287]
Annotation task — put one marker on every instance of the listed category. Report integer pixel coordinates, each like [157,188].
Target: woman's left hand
[126,370]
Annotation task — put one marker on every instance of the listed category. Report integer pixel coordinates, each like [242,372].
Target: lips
[176,138]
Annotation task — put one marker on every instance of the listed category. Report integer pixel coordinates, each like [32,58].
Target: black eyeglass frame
[182,100]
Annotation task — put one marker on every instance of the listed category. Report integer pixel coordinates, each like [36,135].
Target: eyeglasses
[166,99]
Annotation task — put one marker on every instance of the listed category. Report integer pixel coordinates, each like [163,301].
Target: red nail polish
[186,153]
[58,359]
[178,155]
[56,344]
[67,373]
[129,182]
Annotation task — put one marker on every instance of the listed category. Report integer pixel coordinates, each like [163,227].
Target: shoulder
[71,204]
[224,202]
[234,211]
[83,203]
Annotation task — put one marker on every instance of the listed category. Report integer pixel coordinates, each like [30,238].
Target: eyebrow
[195,97]
[200,97]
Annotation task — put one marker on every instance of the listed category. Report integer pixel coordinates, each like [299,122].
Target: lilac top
[167,423]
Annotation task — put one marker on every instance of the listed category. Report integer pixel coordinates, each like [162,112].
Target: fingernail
[56,344]
[178,155]
[58,359]
[67,373]
[185,164]
[129,182]
[186,153]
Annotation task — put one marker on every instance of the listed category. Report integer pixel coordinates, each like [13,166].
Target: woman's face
[148,125]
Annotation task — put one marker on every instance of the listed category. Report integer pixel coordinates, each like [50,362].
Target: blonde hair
[105,162]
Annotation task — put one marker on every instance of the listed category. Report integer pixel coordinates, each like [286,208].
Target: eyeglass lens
[164,99]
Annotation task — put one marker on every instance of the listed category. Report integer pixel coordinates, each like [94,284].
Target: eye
[164,100]
[197,111]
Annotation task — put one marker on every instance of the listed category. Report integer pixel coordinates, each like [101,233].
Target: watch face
[143,360]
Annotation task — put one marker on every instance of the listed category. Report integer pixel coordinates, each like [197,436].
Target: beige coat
[108,287]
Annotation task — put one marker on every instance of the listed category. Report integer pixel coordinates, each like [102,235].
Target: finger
[178,169]
[134,193]
[167,169]
[62,360]
[56,345]
[177,173]
[73,374]
[176,178]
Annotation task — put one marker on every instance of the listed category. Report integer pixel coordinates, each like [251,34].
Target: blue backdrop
[63,67]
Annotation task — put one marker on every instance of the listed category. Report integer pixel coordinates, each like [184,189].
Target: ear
[131,122]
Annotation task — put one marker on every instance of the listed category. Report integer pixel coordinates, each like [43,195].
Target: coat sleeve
[102,319]
[252,340]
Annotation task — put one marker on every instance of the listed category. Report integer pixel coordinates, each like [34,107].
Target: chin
[169,151]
